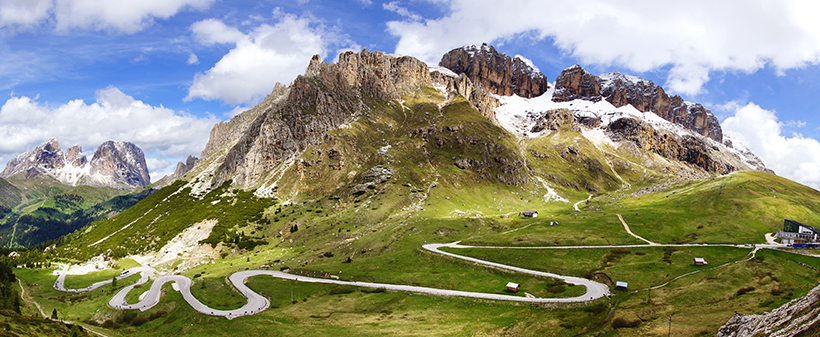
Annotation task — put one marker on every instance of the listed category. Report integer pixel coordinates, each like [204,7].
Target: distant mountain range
[114,164]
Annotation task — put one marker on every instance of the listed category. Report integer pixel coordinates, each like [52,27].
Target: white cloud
[690,38]
[212,31]
[395,8]
[126,16]
[795,124]
[265,55]
[23,13]
[159,167]
[794,157]
[193,59]
[162,133]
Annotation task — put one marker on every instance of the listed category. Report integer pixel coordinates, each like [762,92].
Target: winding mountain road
[257,303]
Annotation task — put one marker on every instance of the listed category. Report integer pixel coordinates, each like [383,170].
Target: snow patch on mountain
[444,71]
[737,147]
[518,115]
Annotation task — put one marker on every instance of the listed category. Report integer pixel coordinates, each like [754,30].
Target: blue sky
[161,73]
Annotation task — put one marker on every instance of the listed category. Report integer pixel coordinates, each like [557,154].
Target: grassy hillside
[10,196]
[47,209]
[736,208]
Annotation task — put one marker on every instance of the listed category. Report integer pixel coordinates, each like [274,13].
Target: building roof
[621,284]
[700,260]
[512,285]
[794,227]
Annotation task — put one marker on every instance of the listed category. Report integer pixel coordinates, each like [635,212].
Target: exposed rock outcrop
[74,156]
[183,168]
[553,120]
[686,148]
[800,317]
[113,164]
[225,134]
[619,90]
[496,72]
[122,161]
[576,83]
[460,84]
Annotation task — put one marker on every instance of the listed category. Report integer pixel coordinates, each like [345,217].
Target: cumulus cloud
[126,16]
[23,13]
[260,58]
[166,136]
[691,39]
[791,156]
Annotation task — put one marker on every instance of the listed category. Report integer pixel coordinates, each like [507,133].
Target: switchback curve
[257,303]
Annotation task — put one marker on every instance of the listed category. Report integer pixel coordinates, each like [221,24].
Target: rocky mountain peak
[184,167]
[496,72]
[47,155]
[619,90]
[74,156]
[123,161]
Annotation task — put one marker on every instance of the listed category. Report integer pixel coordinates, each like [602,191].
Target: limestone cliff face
[497,73]
[74,156]
[325,98]
[689,149]
[800,317]
[225,134]
[619,90]
[115,164]
[123,161]
[576,83]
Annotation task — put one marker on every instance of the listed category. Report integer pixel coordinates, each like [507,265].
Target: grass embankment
[737,208]
[699,303]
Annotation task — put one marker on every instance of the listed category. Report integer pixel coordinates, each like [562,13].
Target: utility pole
[670,326]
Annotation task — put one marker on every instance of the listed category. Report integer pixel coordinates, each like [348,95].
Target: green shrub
[342,290]
[139,320]
[744,290]
[596,309]
[623,323]
[157,314]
